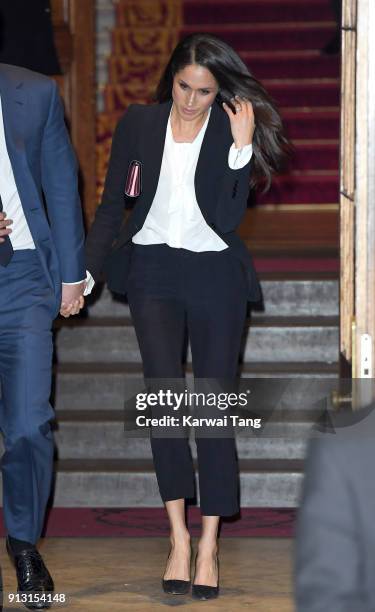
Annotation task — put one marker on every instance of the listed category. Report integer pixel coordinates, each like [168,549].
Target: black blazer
[221,192]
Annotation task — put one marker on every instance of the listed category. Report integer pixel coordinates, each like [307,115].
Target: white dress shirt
[174,217]
[20,236]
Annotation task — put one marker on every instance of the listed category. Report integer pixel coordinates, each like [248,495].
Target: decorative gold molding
[146,32]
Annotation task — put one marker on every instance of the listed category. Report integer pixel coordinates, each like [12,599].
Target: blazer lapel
[151,151]
[209,166]
[13,107]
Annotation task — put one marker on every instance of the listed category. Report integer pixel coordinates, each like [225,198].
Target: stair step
[314,124]
[82,323]
[304,339]
[263,64]
[314,155]
[207,12]
[128,483]
[105,386]
[317,187]
[281,298]
[311,62]
[243,36]
[291,35]
[267,368]
[325,92]
[100,435]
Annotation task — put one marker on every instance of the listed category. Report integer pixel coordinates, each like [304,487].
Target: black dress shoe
[33,577]
[176,587]
[204,591]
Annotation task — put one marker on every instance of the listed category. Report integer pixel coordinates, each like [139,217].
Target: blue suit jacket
[45,171]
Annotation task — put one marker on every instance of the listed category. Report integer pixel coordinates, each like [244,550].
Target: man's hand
[4,229]
[72,299]
[242,122]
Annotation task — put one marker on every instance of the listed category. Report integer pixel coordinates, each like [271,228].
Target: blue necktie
[6,249]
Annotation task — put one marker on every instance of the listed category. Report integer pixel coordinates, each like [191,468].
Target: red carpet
[296,264]
[221,11]
[152,522]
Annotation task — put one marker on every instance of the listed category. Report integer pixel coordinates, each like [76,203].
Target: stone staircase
[98,366]
[296,335]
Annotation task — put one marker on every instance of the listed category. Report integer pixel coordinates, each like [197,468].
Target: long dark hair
[271,147]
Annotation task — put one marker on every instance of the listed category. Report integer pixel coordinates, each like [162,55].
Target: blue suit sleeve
[60,186]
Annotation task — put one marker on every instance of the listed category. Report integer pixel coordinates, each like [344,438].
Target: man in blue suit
[42,272]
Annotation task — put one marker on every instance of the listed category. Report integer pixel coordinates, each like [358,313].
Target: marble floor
[112,575]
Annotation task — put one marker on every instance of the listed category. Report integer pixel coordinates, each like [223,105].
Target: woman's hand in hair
[242,121]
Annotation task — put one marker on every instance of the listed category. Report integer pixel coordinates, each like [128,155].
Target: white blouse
[175,218]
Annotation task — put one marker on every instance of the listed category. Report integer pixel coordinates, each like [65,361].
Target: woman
[181,263]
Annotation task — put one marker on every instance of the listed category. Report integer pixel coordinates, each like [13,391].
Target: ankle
[207,548]
[180,539]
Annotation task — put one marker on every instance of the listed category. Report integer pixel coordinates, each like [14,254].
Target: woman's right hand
[5,230]
[242,122]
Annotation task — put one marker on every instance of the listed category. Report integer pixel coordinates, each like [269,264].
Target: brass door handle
[338,399]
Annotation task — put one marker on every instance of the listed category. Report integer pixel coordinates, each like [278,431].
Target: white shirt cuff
[76,283]
[89,283]
[238,158]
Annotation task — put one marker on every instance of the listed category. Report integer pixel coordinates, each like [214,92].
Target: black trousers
[170,291]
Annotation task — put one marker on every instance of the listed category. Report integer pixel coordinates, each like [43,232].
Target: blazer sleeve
[233,196]
[59,174]
[109,214]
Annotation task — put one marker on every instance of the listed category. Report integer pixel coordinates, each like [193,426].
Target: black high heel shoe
[176,587]
[204,591]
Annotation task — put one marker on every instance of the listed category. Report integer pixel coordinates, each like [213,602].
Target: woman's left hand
[242,122]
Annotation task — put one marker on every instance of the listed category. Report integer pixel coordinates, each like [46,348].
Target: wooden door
[347,186]
[74,32]
[357,202]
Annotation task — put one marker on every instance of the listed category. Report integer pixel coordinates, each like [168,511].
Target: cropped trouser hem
[208,510]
